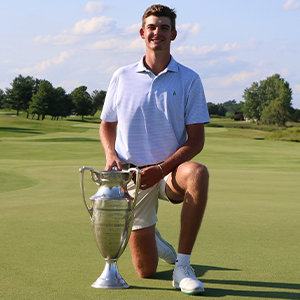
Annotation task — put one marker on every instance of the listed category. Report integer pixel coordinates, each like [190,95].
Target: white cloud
[60,39]
[106,45]
[231,59]
[111,69]
[229,47]
[3,85]
[197,50]
[291,5]
[241,78]
[120,45]
[97,25]
[189,28]
[186,30]
[218,52]
[133,29]
[250,44]
[297,88]
[284,72]
[95,7]
[69,84]
[213,62]
[100,25]
[195,29]
[135,45]
[44,65]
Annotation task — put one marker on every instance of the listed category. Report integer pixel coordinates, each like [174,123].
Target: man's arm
[108,134]
[193,146]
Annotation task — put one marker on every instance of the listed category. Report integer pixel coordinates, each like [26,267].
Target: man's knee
[196,173]
[197,181]
[202,172]
[145,272]
[145,265]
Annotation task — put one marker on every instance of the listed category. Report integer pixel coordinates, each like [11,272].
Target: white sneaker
[184,279]
[166,252]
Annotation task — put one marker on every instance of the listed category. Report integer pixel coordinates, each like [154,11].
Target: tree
[54,106]
[18,97]
[229,105]
[64,103]
[43,100]
[216,109]
[83,104]
[275,113]
[239,117]
[296,115]
[233,108]
[98,99]
[2,96]
[252,106]
[261,95]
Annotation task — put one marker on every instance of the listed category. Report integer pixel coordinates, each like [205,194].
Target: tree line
[39,98]
[268,101]
[230,109]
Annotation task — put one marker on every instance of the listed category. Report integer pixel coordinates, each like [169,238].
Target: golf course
[248,246]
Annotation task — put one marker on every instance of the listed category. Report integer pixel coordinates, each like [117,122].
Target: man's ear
[173,34]
[142,33]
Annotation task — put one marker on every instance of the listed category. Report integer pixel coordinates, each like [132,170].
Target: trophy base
[110,278]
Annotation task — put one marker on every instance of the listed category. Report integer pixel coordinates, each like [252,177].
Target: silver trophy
[112,211]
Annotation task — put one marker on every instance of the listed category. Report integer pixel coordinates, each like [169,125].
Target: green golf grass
[248,246]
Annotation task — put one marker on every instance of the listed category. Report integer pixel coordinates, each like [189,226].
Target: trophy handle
[137,184]
[81,171]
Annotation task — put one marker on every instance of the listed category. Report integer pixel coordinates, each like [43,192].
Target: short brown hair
[159,10]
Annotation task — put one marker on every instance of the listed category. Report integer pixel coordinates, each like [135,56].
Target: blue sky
[74,42]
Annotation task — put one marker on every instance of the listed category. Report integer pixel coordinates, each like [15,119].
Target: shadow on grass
[217,293]
[61,140]
[223,292]
[199,270]
[19,130]
[278,285]
[136,287]
[84,121]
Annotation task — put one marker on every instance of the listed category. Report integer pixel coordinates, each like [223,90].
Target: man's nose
[157,30]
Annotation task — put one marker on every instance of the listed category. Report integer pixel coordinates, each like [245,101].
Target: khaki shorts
[147,203]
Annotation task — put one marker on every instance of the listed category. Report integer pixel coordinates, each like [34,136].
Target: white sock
[182,260]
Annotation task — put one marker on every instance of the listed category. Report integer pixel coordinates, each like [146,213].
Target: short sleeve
[109,110]
[196,110]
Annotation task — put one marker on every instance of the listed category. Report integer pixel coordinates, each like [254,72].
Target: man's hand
[149,177]
[113,162]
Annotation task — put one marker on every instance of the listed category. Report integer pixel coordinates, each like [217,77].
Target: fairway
[248,246]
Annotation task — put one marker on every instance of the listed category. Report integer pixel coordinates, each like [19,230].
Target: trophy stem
[110,277]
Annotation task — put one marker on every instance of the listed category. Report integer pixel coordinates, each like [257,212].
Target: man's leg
[189,183]
[144,251]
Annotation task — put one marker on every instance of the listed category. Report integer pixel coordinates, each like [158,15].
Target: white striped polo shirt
[153,111]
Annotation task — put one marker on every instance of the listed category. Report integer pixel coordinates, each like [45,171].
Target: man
[153,118]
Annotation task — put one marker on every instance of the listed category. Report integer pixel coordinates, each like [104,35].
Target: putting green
[248,246]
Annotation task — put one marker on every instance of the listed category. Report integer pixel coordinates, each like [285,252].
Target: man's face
[157,33]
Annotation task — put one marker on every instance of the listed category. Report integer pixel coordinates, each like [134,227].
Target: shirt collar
[172,66]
